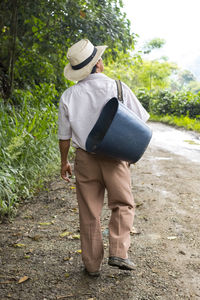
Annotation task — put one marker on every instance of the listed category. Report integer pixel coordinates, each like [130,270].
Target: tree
[36,34]
[155,74]
[194,87]
[185,77]
[184,80]
[156,43]
[138,73]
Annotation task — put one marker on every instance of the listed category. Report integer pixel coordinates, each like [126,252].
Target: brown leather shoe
[121,263]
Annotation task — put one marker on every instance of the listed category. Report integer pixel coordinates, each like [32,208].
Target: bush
[179,105]
[145,98]
[164,102]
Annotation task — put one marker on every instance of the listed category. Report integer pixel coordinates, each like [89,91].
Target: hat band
[85,62]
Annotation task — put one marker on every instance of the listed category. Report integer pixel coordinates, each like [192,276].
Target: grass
[183,121]
[28,154]
[29,151]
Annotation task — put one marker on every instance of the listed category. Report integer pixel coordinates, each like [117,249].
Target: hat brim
[77,75]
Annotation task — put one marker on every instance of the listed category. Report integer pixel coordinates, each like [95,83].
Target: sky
[175,21]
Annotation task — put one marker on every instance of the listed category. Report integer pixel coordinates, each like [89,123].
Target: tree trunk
[12,48]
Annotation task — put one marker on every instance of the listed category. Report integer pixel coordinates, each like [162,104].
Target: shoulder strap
[119,90]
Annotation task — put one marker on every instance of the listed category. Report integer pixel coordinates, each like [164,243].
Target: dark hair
[94,69]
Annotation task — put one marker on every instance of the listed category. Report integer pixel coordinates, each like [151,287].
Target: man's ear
[98,64]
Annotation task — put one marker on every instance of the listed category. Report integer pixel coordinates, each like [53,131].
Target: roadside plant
[29,151]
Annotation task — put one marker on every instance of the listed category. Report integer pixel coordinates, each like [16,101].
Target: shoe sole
[121,265]
[92,274]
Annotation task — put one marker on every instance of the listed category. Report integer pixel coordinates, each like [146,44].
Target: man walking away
[79,109]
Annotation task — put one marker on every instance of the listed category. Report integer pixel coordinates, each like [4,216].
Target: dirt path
[43,243]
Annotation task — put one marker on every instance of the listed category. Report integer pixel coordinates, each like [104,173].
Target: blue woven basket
[119,133]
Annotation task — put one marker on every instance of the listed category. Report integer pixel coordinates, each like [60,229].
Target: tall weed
[28,139]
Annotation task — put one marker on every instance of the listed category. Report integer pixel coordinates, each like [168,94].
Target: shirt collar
[94,77]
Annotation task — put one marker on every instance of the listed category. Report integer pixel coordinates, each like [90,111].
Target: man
[79,109]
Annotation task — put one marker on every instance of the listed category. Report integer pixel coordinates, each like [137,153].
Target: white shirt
[81,104]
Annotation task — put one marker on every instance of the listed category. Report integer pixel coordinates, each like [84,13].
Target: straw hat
[82,56]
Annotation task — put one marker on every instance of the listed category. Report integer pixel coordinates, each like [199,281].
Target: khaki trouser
[93,175]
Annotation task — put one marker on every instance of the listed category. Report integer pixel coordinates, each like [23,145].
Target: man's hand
[65,165]
[65,169]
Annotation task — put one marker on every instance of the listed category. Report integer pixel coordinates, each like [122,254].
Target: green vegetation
[137,72]
[28,144]
[183,121]
[163,102]
[181,108]
[34,37]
